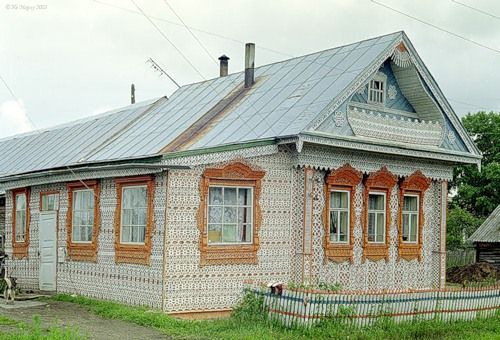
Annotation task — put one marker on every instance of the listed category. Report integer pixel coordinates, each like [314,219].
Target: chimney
[249,64]
[132,94]
[224,65]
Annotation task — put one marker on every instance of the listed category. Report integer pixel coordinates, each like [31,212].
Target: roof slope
[286,99]
[489,231]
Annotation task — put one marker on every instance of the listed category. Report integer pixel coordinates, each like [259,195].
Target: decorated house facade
[326,168]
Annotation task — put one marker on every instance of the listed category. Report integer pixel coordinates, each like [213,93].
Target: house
[2,221]
[486,239]
[329,167]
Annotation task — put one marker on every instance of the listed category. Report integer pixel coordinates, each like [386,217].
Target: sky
[65,60]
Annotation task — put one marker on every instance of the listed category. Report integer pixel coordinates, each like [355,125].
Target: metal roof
[489,231]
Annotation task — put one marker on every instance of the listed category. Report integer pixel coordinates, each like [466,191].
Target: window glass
[410,218]
[83,215]
[20,217]
[376,92]
[134,214]
[376,217]
[230,215]
[49,202]
[339,216]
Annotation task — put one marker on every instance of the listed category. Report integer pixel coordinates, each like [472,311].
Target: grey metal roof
[489,231]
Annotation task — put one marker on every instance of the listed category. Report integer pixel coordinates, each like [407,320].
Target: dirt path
[89,324]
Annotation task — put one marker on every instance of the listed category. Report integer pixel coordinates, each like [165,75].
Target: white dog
[10,290]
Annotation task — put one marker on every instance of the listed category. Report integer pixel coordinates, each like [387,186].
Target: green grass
[246,324]
[35,331]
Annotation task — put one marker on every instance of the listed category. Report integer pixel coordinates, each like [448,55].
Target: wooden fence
[306,307]
[460,257]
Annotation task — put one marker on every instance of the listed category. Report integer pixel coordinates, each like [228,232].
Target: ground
[75,316]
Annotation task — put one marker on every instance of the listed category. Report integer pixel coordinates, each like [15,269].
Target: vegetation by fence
[306,307]
[460,257]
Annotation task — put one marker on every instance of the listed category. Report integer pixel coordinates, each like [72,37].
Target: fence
[460,257]
[306,307]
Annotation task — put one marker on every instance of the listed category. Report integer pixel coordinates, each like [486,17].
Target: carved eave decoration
[134,253]
[343,178]
[83,251]
[417,184]
[20,249]
[381,181]
[236,174]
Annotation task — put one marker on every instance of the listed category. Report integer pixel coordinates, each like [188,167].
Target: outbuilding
[486,240]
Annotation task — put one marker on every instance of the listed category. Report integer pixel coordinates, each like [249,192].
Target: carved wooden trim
[235,174]
[134,253]
[344,178]
[416,184]
[20,249]
[83,251]
[379,181]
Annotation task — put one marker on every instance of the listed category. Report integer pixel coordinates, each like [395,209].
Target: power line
[436,27]
[476,9]
[168,40]
[190,27]
[16,100]
[191,32]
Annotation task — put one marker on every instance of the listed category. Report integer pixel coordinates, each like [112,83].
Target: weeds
[35,331]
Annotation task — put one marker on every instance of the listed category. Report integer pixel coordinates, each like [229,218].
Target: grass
[246,323]
[35,331]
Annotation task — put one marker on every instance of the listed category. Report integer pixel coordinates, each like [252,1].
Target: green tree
[460,225]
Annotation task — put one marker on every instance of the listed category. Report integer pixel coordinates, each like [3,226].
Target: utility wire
[191,27]
[436,27]
[476,9]
[167,39]
[16,100]
[191,32]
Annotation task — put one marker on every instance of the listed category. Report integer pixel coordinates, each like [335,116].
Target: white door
[48,250]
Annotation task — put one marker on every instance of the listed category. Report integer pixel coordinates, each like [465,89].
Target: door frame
[47,212]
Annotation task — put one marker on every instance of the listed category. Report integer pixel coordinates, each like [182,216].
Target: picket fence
[307,307]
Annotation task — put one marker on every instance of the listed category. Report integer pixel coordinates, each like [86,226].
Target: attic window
[376,90]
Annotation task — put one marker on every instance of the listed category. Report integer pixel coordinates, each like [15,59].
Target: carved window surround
[416,184]
[83,251]
[20,249]
[134,253]
[381,181]
[344,178]
[233,174]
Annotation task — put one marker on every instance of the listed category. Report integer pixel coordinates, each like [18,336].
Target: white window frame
[23,234]
[382,78]
[121,214]
[73,215]
[410,213]
[376,212]
[251,225]
[338,210]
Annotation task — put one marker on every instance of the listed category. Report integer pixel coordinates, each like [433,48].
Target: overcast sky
[66,60]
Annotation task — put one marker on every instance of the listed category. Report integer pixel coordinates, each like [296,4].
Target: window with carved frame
[134,219]
[411,215]
[83,220]
[378,185]
[229,215]
[339,213]
[20,222]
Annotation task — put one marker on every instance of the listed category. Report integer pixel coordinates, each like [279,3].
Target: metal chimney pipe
[249,64]
[224,65]
[132,94]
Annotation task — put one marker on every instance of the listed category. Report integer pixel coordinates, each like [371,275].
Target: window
[377,214]
[83,215]
[230,215]
[134,219]
[338,213]
[339,216]
[20,222]
[48,201]
[133,215]
[83,220]
[410,218]
[20,217]
[376,89]
[376,217]
[411,215]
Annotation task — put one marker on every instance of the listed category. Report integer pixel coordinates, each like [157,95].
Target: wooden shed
[487,239]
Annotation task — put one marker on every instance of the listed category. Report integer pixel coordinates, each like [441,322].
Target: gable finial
[401,56]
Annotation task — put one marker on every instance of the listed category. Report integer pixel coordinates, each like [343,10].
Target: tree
[460,225]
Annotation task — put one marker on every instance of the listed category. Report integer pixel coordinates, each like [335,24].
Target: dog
[10,291]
